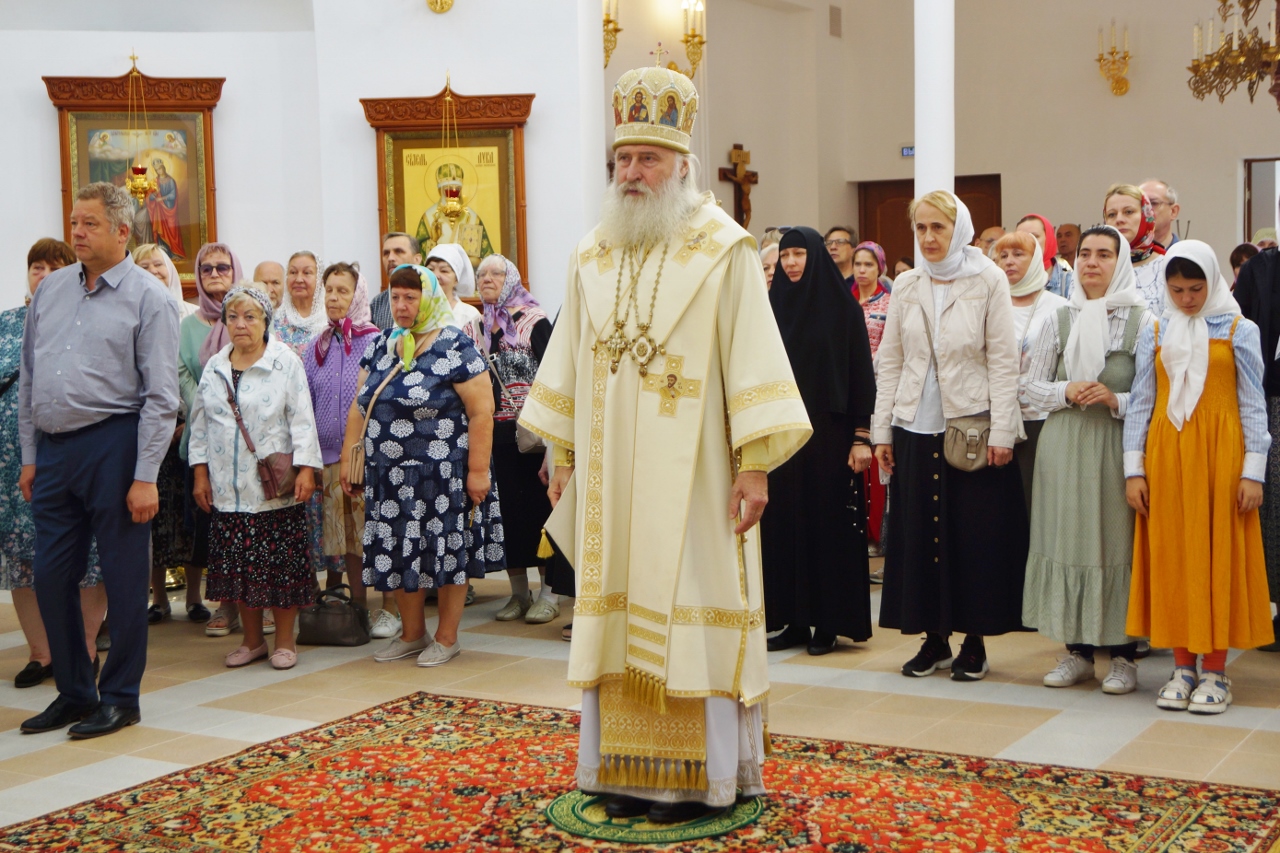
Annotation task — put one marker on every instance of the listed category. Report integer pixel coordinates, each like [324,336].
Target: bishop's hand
[748,499]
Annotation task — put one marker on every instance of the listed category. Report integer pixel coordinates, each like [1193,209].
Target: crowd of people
[1011,424]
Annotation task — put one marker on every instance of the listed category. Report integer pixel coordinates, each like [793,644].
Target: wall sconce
[1114,65]
[695,29]
[611,29]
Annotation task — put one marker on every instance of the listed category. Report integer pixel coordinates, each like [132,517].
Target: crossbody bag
[355,459]
[964,444]
[277,471]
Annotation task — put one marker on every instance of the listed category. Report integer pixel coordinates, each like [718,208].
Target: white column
[935,87]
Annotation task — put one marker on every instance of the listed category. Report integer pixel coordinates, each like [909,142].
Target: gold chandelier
[1230,53]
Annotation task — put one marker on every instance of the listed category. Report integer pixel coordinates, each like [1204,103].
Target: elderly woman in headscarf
[453,270]
[332,363]
[516,332]
[200,336]
[813,532]
[960,536]
[170,542]
[432,518]
[1195,455]
[255,391]
[1081,370]
[1127,209]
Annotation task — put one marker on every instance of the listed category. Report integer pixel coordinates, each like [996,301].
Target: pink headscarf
[875,249]
[355,325]
[210,309]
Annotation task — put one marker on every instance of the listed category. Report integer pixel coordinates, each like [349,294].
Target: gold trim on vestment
[766,393]
[600,606]
[645,746]
[593,530]
[645,613]
[646,655]
[553,400]
[773,430]
[717,617]
[647,635]
[546,436]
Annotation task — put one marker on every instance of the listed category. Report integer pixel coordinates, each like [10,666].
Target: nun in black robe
[813,533]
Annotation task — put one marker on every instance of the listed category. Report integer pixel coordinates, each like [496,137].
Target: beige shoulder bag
[355,461]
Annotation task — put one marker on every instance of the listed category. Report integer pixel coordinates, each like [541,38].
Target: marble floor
[194,709]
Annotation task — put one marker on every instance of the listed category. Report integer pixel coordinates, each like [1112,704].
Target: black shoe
[198,613]
[822,643]
[621,806]
[792,635]
[1144,650]
[157,613]
[32,674]
[60,714]
[934,655]
[108,719]
[679,812]
[971,663]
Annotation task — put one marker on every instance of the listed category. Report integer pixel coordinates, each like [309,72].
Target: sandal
[157,613]
[244,655]
[284,658]
[566,633]
[1212,695]
[222,624]
[1176,695]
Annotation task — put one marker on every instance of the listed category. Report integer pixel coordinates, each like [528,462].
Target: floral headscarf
[433,313]
[875,249]
[258,296]
[512,298]
[315,322]
[355,325]
[211,309]
[1144,242]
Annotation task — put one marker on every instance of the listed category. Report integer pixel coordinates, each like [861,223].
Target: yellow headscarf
[433,313]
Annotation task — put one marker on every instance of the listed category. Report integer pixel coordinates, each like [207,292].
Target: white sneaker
[1123,677]
[384,625]
[1072,669]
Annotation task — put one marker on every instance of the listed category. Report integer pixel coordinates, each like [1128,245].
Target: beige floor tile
[847,655]
[11,718]
[780,691]
[966,737]
[918,706]
[370,692]
[1253,769]
[1263,743]
[126,740]
[858,726]
[831,697]
[193,749]
[518,628]
[151,683]
[8,779]
[258,701]
[1152,771]
[1017,716]
[1191,762]
[533,672]
[328,682]
[1255,695]
[549,695]
[1207,737]
[472,663]
[210,662]
[58,758]
[323,710]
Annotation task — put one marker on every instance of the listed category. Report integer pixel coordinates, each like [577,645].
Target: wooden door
[882,210]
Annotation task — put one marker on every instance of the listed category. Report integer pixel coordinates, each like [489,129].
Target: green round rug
[583,815]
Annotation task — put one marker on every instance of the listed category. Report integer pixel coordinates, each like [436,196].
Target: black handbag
[334,620]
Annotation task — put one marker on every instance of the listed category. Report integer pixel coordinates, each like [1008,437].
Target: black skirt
[525,505]
[959,544]
[260,558]
[813,538]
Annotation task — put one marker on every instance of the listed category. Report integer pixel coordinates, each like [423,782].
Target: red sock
[1215,661]
[1184,658]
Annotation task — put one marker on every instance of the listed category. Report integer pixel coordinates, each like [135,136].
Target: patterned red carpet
[449,774]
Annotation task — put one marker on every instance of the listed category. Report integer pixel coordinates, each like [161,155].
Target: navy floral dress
[419,530]
[17,528]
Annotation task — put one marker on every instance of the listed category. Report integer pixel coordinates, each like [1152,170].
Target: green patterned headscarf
[433,313]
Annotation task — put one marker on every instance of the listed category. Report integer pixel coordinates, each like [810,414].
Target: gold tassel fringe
[545,551]
[645,689]
[768,741]
[665,774]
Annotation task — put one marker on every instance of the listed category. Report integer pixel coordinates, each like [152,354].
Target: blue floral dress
[17,528]
[420,530]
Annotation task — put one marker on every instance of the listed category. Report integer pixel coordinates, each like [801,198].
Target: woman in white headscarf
[1196,444]
[156,261]
[960,537]
[1082,366]
[453,270]
[301,316]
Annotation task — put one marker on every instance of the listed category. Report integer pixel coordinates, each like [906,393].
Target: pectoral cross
[742,181]
[670,385]
[659,53]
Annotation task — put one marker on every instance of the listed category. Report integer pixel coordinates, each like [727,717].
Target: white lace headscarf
[317,321]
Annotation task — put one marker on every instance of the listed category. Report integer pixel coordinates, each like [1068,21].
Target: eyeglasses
[210,269]
[837,241]
[1158,203]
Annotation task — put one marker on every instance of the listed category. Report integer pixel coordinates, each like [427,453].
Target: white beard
[651,218]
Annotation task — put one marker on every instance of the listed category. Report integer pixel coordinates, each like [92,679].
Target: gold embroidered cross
[601,253]
[670,385]
[701,238]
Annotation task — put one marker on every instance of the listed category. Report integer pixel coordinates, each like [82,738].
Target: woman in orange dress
[1196,445]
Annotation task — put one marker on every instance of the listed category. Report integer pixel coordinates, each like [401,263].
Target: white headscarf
[962,259]
[174,285]
[1184,338]
[1036,278]
[315,322]
[1086,350]
[456,257]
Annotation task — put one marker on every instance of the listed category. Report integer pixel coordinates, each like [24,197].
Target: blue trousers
[82,485]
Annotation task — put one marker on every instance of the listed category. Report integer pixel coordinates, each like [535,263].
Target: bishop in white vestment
[668,395]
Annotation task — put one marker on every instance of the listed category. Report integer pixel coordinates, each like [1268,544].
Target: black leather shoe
[1269,647]
[792,635]
[108,719]
[157,613]
[823,643]
[61,713]
[32,674]
[622,806]
[679,812]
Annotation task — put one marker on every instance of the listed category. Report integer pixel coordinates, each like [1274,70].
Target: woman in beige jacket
[948,351]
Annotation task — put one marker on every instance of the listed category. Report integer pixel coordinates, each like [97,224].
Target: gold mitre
[654,106]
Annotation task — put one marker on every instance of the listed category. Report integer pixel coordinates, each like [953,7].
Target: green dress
[1077,581]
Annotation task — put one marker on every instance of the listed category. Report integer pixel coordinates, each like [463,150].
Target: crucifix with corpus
[742,181]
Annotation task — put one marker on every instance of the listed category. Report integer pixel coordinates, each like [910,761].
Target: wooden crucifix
[742,181]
